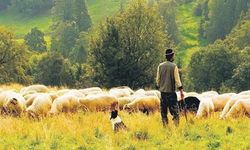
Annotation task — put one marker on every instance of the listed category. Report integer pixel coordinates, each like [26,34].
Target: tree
[82,17]
[4,4]
[13,59]
[211,67]
[64,38]
[35,40]
[128,47]
[168,11]
[223,16]
[70,17]
[241,77]
[79,52]
[54,70]
[63,11]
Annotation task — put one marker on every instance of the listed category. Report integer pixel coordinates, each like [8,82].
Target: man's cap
[169,52]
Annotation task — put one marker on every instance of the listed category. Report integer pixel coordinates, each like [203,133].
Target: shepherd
[168,80]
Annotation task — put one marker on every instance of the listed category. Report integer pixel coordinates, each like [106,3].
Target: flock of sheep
[38,101]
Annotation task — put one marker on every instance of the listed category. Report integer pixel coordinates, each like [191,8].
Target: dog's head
[114,114]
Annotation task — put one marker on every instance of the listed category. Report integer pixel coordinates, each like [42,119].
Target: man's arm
[158,77]
[178,82]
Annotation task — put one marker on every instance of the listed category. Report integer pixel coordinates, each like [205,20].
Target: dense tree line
[219,17]
[223,65]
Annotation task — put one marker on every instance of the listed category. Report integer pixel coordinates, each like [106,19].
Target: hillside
[188,25]
[21,24]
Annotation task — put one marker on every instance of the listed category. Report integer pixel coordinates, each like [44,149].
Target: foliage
[13,59]
[211,67]
[79,52]
[54,70]
[223,16]
[127,48]
[64,37]
[4,4]
[35,40]
[69,19]
[82,17]
[168,11]
[241,76]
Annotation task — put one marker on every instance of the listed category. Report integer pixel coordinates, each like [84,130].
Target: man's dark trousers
[169,101]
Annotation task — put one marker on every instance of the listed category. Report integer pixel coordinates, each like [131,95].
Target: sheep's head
[12,107]
[127,108]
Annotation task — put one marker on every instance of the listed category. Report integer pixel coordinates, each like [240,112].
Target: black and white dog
[116,121]
[191,104]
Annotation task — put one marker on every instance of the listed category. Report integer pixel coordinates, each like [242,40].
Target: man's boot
[164,122]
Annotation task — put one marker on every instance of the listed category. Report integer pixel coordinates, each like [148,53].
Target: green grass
[188,25]
[100,9]
[21,24]
[93,131]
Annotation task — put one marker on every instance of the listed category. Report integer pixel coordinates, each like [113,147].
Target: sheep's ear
[13,101]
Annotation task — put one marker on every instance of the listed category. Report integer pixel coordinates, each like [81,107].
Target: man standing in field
[168,79]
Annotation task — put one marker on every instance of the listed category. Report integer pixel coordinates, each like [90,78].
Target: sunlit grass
[93,131]
[90,130]
[188,26]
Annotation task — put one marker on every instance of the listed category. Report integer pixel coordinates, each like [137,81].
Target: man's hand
[182,94]
[156,87]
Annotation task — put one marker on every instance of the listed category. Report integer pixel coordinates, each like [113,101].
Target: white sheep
[123,91]
[231,102]
[99,102]
[34,89]
[91,91]
[66,103]
[206,107]
[144,104]
[221,100]
[12,103]
[242,106]
[40,107]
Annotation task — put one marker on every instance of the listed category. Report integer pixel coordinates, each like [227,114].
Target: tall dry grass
[94,131]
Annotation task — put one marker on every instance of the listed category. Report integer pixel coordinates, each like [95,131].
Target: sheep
[34,89]
[206,107]
[137,94]
[12,103]
[221,100]
[153,93]
[242,106]
[123,91]
[210,94]
[91,91]
[144,104]
[99,102]
[61,92]
[244,93]
[231,102]
[123,101]
[40,107]
[66,103]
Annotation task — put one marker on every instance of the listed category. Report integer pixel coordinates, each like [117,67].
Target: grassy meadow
[93,131]
[188,25]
